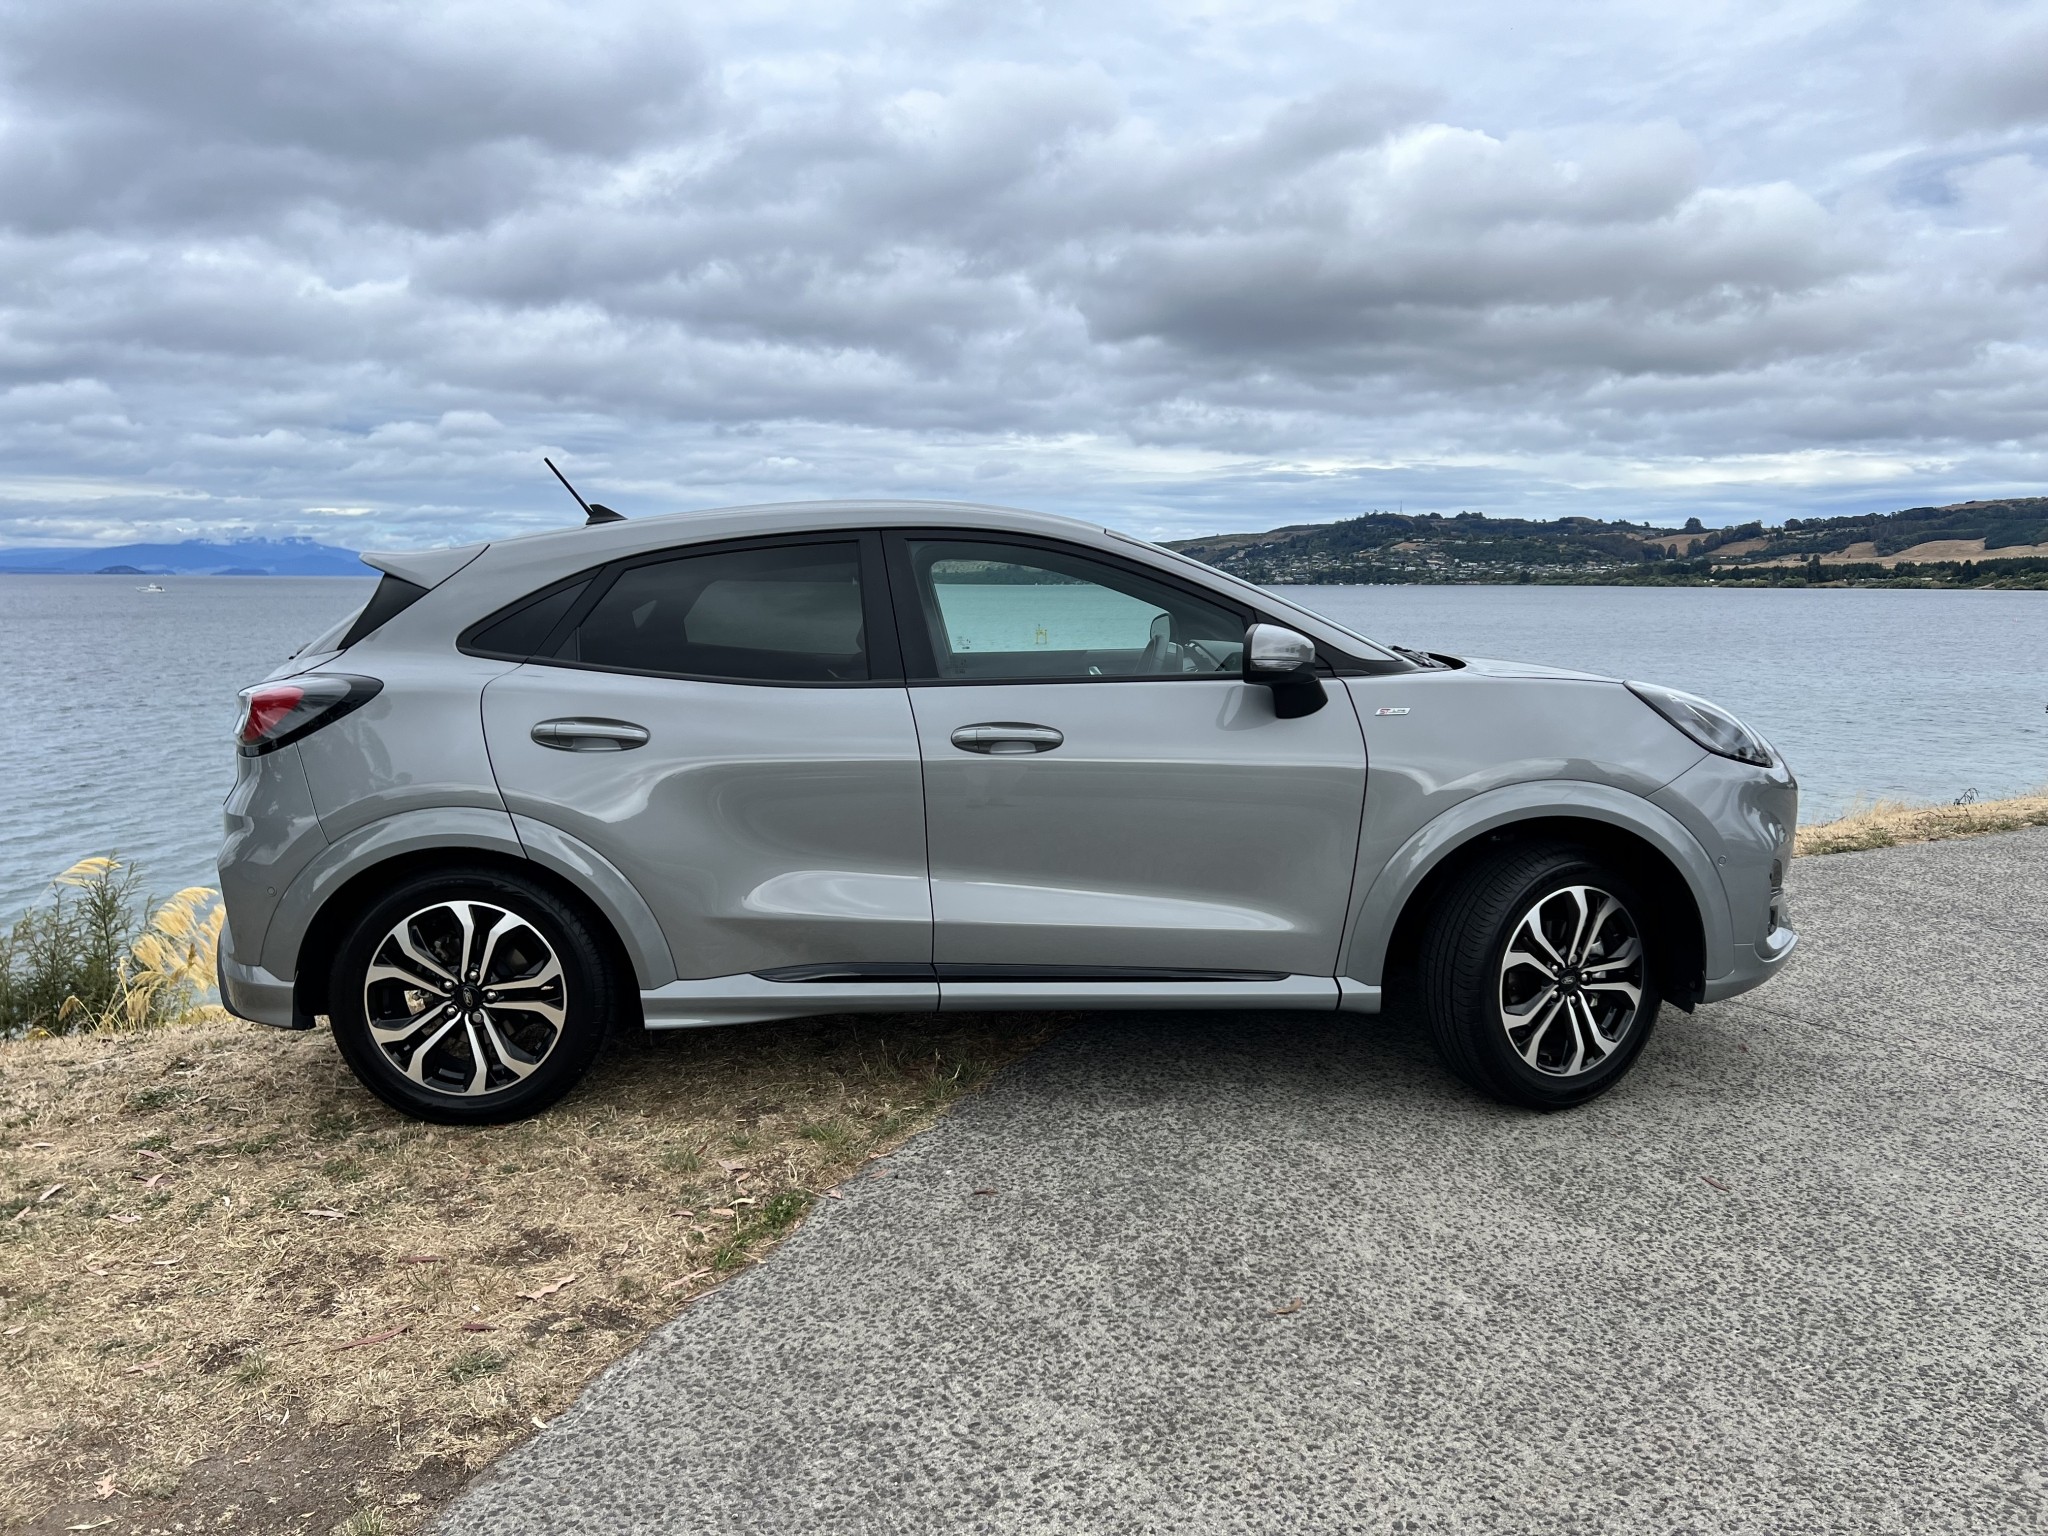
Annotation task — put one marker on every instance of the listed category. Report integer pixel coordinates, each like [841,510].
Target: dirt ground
[238,1294]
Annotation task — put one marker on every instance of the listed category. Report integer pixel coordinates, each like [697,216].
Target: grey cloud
[1997,79]
[260,261]
[143,112]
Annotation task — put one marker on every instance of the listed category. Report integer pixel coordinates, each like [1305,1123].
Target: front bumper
[1744,817]
[1754,965]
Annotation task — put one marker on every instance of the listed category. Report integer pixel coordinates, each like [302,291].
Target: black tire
[528,1059]
[1469,987]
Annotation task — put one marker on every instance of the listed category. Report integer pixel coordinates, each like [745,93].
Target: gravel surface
[1246,1274]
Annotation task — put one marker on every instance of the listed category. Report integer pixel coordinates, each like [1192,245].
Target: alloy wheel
[1571,980]
[465,998]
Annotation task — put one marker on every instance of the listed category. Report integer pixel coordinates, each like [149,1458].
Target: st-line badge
[1401,710]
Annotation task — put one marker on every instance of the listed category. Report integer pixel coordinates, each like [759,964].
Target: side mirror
[1284,661]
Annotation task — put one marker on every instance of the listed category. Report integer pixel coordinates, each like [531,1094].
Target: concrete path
[1252,1274]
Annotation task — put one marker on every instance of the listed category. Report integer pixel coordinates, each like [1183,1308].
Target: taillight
[276,714]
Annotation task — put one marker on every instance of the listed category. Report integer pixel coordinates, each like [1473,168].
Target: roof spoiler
[423,567]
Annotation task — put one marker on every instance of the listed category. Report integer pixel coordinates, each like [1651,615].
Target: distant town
[1968,544]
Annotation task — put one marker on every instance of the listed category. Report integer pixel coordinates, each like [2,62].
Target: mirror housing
[1284,661]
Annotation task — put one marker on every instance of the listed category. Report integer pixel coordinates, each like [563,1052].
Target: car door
[1104,793]
[728,725]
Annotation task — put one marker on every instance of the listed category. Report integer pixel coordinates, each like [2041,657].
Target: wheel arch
[1648,843]
[339,883]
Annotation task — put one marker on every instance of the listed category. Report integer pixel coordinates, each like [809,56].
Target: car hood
[1488,667]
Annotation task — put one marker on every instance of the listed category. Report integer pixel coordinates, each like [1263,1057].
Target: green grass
[680,1160]
[475,1364]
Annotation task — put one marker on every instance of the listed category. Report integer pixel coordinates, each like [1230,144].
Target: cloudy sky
[349,270]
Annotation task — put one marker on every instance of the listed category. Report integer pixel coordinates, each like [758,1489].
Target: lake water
[117,704]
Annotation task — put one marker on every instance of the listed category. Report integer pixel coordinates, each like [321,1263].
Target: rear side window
[776,615]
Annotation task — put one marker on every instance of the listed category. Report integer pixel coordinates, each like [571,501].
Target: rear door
[728,725]
[1103,791]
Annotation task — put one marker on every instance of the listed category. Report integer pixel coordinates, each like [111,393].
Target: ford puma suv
[774,761]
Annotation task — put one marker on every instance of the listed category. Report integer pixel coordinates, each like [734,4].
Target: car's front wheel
[1539,976]
[471,997]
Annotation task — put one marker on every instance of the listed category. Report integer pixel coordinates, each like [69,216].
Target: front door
[1103,791]
[717,723]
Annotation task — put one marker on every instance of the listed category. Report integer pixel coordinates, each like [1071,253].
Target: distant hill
[1976,543]
[193,557]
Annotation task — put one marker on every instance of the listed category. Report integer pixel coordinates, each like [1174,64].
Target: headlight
[1708,724]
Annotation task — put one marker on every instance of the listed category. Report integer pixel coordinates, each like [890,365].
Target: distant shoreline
[1963,576]
[1794,579]
[1795,582]
[365,574]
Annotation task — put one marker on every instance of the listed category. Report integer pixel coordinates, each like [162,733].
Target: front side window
[778,615]
[1012,611]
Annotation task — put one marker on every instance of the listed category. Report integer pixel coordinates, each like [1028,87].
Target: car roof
[631,535]
[587,542]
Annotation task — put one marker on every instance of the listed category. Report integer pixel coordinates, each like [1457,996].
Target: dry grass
[1887,823]
[195,1222]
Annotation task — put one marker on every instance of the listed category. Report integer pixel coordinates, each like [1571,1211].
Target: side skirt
[801,991]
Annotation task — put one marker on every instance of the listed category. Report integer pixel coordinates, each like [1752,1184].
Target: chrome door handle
[1006,738]
[590,735]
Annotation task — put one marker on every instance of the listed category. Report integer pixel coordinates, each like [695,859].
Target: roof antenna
[593,512]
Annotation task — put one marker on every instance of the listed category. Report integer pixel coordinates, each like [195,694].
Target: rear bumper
[252,993]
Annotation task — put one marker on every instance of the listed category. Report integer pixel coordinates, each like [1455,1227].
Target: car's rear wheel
[1539,976]
[471,996]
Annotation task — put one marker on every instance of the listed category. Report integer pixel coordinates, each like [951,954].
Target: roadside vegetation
[96,956]
[1888,823]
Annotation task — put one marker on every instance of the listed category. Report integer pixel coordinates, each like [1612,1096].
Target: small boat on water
[152,587]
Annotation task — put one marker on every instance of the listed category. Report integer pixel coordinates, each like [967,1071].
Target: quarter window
[523,631]
[997,611]
[777,615]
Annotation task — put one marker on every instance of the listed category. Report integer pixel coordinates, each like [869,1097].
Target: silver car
[773,761]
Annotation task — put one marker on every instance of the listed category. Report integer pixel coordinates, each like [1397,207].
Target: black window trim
[388,599]
[884,658]
[920,666]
